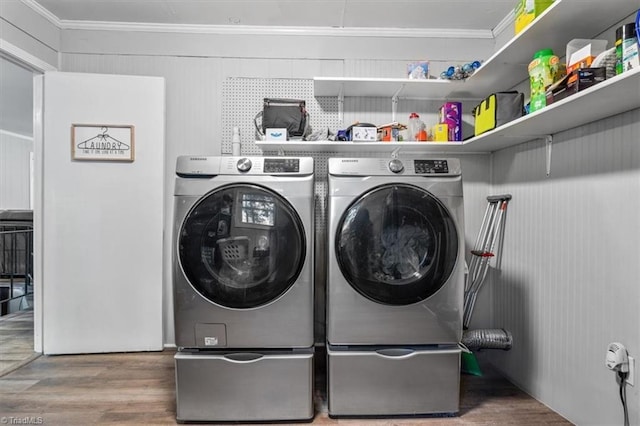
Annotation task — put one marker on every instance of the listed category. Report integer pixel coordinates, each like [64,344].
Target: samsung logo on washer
[350,161]
[198,158]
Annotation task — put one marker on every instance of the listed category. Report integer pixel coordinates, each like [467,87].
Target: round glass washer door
[396,244]
[242,246]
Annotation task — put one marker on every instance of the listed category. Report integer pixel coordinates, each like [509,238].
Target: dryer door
[242,246]
[396,244]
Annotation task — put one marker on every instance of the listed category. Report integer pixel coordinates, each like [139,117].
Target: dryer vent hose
[488,338]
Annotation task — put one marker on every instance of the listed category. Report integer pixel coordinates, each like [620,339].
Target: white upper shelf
[613,96]
[561,22]
[383,87]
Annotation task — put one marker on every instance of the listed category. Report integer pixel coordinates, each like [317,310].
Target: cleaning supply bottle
[627,48]
[543,71]
[417,128]
[235,142]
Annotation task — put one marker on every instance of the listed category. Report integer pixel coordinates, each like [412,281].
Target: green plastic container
[543,71]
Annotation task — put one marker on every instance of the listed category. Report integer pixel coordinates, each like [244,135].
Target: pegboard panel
[243,98]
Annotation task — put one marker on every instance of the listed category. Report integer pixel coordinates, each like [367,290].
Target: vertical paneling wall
[15,171]
[570,278]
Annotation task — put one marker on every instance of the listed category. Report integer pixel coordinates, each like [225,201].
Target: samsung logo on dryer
[349,161]
[198,158]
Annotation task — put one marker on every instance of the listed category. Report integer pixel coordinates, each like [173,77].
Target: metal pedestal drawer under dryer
[243,288]
[395,286]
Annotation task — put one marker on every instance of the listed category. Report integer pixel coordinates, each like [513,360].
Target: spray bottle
[235,142]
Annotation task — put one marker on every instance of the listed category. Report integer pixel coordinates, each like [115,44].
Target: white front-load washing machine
[395,286]
[243,288]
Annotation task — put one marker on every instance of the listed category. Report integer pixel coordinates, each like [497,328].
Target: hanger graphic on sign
[103,141]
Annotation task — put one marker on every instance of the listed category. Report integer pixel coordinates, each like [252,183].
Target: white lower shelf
[333,146]
[614,96]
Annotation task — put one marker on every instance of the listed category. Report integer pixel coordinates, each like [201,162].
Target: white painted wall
[571,266]
[15,178]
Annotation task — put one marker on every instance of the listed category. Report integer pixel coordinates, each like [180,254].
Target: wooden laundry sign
[105,142]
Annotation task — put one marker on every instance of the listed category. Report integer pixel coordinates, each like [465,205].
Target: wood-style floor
[16,341]
[139,388]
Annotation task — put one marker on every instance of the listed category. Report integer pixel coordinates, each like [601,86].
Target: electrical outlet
[632,371]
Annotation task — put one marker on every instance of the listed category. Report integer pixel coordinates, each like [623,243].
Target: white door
[99,222]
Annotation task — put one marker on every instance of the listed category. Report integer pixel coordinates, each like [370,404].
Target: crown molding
[277,31]
[262,30]
[36,7]
[506,22]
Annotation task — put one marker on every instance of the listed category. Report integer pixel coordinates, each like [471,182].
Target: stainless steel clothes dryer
[243,288]
[395,286]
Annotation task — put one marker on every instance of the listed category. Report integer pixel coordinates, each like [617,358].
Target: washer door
[242,246]
[396,244]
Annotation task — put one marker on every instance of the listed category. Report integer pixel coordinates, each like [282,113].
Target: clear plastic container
[543,71]
[416,128]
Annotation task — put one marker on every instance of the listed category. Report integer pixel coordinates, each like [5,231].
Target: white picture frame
[102,142]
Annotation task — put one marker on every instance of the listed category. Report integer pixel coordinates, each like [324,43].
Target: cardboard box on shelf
[418,70]
[574,82]
[391,132]
[528,10]
[451,115]
[557,91]
[439,133]
[583,78]
[273,134]
[364,134]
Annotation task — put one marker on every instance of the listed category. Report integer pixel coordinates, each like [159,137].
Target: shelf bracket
[394,103]
[549,141]
[341,107]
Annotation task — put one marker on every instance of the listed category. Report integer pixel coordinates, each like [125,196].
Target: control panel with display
[281,165]
[429,167]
